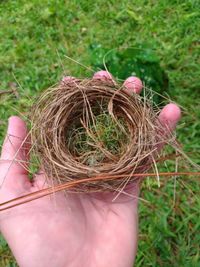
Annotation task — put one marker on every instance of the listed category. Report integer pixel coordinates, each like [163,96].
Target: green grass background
[34,37]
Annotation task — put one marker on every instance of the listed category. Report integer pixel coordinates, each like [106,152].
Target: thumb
[14,155]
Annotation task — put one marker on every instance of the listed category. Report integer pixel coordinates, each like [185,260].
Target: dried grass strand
[53,189]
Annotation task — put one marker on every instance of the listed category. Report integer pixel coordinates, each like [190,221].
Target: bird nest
[90,128]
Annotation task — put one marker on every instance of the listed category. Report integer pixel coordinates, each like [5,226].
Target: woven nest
[89,128]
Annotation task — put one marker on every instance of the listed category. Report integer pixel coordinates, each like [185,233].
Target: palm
[77,228]
[66,229]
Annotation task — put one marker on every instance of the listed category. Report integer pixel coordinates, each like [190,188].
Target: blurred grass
[35,36]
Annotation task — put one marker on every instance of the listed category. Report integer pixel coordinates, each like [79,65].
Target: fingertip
[102,75]
[15,119]
[133,85]
[170,115]
[66,79]
[16,126]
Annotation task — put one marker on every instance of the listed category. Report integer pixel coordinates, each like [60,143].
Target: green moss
[103,133]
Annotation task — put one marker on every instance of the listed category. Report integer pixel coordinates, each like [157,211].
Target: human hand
[67,229]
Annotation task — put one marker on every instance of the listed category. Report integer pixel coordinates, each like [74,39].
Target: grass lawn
[34,37]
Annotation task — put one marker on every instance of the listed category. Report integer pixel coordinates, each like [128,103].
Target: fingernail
[102,74]
[170,115]
[66,79]
[133,84]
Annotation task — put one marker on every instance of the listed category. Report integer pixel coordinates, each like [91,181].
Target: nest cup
[90,128]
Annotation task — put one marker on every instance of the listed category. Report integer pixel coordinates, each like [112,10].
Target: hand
[67,229]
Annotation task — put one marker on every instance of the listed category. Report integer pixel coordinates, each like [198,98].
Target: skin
[68,229]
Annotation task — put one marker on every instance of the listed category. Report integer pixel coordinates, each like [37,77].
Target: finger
[167,119]
[103,75]
[67,79]
[169,116]
[133,85]
[15,148]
